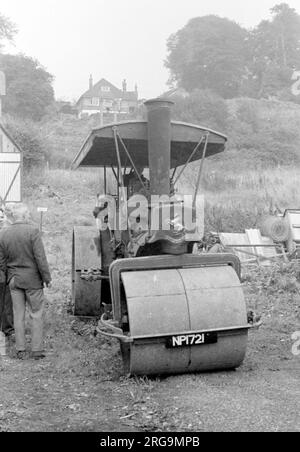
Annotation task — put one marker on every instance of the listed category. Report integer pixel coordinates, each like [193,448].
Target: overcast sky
[114,39]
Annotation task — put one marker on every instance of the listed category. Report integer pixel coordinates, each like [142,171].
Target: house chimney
[91,83]
[136,89]
[124,85]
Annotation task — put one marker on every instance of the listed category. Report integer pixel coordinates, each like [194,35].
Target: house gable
[106,90]
[103,90]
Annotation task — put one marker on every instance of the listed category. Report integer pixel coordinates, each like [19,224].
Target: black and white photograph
[149,219]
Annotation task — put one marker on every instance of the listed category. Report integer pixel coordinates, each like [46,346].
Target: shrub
[202,107]
[29,138]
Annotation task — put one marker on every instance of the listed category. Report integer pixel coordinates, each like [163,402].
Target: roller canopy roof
[99,148]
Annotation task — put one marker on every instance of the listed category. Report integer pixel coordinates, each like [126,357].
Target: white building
[10,168]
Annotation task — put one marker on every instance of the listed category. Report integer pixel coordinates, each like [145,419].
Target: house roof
[175,92]
[114,93]
[4,130]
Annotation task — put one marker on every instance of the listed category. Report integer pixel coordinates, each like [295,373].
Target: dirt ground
[80,385]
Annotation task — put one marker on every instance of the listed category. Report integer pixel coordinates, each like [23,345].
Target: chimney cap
[159,101]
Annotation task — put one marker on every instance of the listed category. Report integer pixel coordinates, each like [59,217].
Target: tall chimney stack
[159,144]
[91,83]
[124,85]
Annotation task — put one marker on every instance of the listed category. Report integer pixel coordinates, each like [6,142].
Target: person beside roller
[6,311]
[23,259]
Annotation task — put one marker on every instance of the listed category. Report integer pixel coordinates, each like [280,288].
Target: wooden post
[105,181]
[42,210]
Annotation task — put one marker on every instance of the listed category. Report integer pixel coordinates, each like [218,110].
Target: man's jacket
[22,256]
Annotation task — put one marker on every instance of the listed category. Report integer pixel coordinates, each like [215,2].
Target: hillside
[261,133]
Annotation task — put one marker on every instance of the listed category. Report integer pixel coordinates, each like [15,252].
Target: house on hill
[107,99]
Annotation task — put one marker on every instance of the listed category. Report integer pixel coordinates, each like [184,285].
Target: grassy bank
[234,201]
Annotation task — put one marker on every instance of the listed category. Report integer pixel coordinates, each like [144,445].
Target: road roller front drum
[180,320]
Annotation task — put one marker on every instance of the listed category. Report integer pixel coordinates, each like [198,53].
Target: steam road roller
[172,308]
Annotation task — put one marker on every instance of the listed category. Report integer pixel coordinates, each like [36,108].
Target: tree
[275,49]
[208,53]
[7,29]
[29,87]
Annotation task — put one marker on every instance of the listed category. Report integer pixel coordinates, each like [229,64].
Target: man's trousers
[35,301]
[6,310]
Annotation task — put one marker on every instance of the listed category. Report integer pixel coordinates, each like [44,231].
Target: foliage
[215,53]
[208,53]
[274,47]
[65,135]
[264,133]
[29,87]
[202,107]
[29,138]
[7,30]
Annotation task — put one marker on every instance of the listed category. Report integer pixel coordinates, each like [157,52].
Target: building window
[87,101]
[107,103]
[95,101]
[105,89]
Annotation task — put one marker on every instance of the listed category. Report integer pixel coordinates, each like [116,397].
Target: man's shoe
[38,355]
[21,355]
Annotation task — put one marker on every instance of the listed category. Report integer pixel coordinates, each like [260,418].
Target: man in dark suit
[23,259]
[6,311]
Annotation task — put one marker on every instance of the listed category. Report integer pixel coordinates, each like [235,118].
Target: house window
[105,89]
[95,101]
[107,103]
[87,101]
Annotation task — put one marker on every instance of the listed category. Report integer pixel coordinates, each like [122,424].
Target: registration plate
[188,340]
